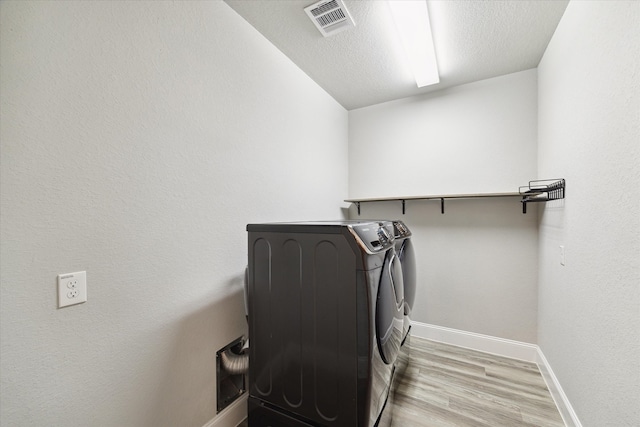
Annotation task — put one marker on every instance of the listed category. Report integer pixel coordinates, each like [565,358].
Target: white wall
[478,137]
[589,133]
[138,140]
[476,263]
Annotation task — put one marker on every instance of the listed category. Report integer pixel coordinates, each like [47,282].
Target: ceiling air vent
[330,17]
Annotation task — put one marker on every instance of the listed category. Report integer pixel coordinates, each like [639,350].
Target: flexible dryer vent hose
[234,363]
[238,363]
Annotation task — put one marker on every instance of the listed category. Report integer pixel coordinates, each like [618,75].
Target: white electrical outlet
[72,288]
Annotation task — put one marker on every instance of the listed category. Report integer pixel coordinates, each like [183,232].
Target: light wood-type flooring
[451,386]
[445,385]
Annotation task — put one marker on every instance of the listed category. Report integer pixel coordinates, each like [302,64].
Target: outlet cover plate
[72,288]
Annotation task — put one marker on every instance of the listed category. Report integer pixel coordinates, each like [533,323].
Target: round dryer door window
[390,309]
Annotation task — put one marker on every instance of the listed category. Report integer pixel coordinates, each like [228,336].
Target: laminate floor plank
[447,385]
[453,381]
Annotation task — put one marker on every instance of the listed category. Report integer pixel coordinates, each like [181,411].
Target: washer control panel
[374,236]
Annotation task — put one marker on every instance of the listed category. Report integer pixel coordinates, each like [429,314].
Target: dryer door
[407,259]
[390,308]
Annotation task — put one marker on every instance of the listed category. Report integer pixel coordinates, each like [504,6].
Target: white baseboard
[562,402]
[232,415]
[486,343]
[507,348]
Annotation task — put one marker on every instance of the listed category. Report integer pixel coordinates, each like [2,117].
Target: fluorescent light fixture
[412,22]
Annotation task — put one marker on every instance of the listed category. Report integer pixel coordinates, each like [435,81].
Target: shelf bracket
[358,206]
[542,190]
[403,206]
[442,205]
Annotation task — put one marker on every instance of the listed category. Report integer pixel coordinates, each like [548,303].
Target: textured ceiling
[362,66]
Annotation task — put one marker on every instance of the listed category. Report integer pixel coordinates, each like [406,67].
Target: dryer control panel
[400,229]
[374,237]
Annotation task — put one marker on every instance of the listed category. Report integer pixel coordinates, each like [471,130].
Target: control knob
[383,236]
